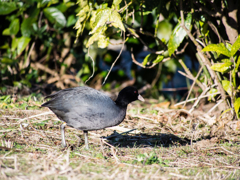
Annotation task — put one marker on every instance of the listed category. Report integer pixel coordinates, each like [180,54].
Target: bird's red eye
[135,91]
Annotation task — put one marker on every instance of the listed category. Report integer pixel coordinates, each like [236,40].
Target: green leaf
[93,18]
[83,15]
[27,24]
[211,92]
[14,27]
[237,105]
[55,16]
[158,59]
[226,60]
[62,7]
[178,35]
[44,2]
[103,41]
[102,16]
[148,58]
[17,84]
[222,67]
[235,46]
[228,46]
[219,48]
[152,59]
[92,39]
[5,46]
[116,20]
[14,44]
[71,20]
[6,32]
[237,64]
[7,7]
[227,87]
[22,44]
[6,60]
[164,30]
[116,2]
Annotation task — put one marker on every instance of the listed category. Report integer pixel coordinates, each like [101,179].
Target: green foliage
[32,31]
[13,102]
[98,22]
[211,92]
[222,67]
[37,42]
[178,35]
[235,46]
[153,59]
[7,7]
[22,43]
[219,48]
[164,30]
[55,16]
[237,105]
[14,27]
[228,85]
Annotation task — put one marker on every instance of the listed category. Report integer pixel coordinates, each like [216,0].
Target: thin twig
[114,153]
[146,67]
[216,105]
[184,74]
[193,99]
[115,59]
[93,66]
[141,15]
[45,113]
[200,70]
[125,7]
[29,53]
[190,75]
[132,31]
[200,42]
[183,49]
[157,75]
[215,30]
[198,99]
[180,176]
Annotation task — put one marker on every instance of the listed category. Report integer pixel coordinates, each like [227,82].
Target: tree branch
[205,60]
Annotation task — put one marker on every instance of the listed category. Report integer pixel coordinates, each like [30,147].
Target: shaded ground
[151,143]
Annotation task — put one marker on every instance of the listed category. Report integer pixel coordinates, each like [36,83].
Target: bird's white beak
[140,98]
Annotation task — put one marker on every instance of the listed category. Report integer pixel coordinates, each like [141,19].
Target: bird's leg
[86,139]
[63,134]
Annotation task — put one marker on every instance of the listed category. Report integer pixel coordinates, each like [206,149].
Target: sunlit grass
[159,147]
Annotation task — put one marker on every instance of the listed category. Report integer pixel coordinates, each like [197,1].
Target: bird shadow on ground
[146,140]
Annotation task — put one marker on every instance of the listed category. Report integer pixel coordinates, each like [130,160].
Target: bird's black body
[87,109]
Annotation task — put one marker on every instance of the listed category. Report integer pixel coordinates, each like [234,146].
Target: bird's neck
[121,103]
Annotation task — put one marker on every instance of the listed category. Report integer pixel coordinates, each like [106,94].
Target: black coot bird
[87,109]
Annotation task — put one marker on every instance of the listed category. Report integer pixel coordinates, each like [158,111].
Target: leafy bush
[38,43]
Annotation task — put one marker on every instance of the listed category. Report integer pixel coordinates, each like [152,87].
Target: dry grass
[166,144]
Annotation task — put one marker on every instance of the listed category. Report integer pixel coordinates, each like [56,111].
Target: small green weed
[151,158]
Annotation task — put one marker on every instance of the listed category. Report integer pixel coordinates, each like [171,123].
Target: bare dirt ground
[151,143]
